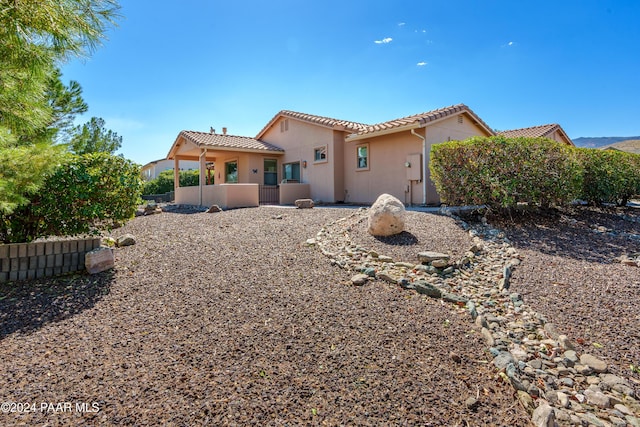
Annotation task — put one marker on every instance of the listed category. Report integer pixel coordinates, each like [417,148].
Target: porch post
[176,173]
[203,167]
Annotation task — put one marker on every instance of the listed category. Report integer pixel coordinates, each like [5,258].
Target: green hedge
[83,195]
[501,172]
[610,176]
[165,181]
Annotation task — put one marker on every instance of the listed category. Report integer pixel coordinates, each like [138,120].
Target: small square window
[320,154]
[362,152]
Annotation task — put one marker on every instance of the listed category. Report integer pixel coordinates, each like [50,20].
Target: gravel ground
[572,274]
[228,319]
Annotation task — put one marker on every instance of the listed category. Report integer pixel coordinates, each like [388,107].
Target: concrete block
[40,273]
[23,264]
[4,251]
[22,249]
[66,247]
[42,261]
[99,260]
[5,265]
[31,274]
[58,262]
[51,260]
[81,246]
[48,248]
[13,251]
[74,260]
[66,260]
[4,277]
[13,276]
[40,248]
[33,262]
[31,249]
[73,246]
[57,248]
[22,275]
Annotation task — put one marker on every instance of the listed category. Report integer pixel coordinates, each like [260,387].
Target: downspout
[424,165]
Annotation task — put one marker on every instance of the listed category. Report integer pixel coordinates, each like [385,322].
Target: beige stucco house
[552,131]
[298,155]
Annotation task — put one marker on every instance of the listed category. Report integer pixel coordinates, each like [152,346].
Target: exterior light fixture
[304,164]
[407,164]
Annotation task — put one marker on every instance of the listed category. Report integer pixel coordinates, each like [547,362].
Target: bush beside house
[501,172]
[164,183]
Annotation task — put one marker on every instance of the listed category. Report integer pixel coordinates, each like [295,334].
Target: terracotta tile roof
[541,131]
[423,119]
[318,120]
[231,142]
[530,132]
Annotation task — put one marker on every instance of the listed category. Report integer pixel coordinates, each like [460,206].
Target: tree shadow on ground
[582,233]
[28,306]
[401,239]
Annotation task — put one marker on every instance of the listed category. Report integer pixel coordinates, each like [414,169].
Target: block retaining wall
[26,261]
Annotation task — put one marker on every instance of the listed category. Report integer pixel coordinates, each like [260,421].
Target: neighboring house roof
[316,120]
[541,131]
[223,142]
[419,120]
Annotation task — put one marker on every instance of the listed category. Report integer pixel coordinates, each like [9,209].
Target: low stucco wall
[289,193]
[26,261]
[229,196]
[187,196]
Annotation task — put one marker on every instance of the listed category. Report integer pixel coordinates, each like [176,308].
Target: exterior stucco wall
[299,141]
[387,172]
[250,166]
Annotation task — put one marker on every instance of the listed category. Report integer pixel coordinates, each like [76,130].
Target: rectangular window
[362,157]
[270,172]
[320,154]
[284,125]
[231,172]
[291,172]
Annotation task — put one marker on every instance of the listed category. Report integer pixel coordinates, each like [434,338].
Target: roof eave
[382,132]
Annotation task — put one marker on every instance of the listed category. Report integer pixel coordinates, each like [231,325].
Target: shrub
[501,172]
[610,176]
[164,182]
[83,195]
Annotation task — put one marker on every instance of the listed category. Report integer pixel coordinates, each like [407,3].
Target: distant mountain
[630,146]
[601,141]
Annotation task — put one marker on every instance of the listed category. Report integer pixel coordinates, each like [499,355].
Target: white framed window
[284,125]
[320,154]
[362,157]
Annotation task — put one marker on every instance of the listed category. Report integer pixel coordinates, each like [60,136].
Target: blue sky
[195,64]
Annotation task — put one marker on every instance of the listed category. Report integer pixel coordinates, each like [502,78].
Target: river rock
[99,260]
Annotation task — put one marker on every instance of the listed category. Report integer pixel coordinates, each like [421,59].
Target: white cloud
[384,40]
[421,64]
[401,24]
[510,44]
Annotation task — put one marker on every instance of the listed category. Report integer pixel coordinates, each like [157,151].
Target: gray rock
[304,203]
[593,362]
[597,398]
[214,209]
[428,289]
[429,256]
[359,279]
[439,263]
[126,240]
[503,359]
[544,416]
[99,260]
[386,216]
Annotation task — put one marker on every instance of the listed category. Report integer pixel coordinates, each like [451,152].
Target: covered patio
[232,168]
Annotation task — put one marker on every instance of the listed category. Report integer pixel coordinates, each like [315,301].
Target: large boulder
[304,204]
[386,216]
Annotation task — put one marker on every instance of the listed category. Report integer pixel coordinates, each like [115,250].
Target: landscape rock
[429,256]
[544,416]
[214,209]
[593,362]
[359,279]
[126,240]
[99,260]
[386,216]
[304,203]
